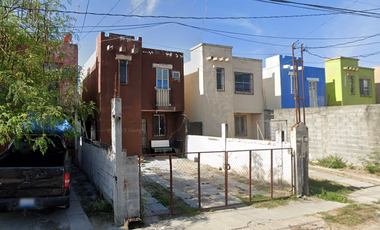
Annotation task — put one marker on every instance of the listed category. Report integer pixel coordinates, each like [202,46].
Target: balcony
[162,98]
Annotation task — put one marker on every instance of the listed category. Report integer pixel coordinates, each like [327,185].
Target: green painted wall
[338,83]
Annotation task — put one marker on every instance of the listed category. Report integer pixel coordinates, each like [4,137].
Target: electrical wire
[131,12]
[100,20]
[85,15]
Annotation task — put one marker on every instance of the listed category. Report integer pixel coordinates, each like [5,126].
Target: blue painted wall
[287,99]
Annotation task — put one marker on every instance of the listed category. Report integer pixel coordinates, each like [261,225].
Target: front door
[313,97]
[143,135]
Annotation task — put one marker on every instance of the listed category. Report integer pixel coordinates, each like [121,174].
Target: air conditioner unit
[109,48]
[176,75]
[122,49]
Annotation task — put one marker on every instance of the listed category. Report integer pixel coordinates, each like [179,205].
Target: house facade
[377,84]
[220,88]
[150,84]
[279,86]
[347,83]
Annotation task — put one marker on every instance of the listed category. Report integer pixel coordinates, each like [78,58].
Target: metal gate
[177,183]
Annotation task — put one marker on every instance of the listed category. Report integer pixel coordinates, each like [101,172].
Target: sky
[323,32]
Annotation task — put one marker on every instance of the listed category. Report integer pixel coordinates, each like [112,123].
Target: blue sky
[312,31]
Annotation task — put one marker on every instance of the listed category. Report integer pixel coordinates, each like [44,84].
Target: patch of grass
[242,199]
[99,206]
[269,204]
[334,162]
[372,162]
[220,187]
[352,215]
[328,190]
[162,194]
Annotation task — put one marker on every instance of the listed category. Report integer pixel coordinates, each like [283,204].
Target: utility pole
[299,131]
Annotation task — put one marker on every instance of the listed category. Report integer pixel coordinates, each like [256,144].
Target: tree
[33,91]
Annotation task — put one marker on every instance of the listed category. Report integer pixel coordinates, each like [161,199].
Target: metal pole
[226,177]
[295,83]
[199,181]
[271,174]
[171,184]
[141,206]
[303,87]
[250,176]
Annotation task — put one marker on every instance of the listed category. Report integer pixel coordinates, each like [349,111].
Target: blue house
[279,86]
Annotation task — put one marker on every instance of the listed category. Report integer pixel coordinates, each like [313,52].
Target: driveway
[72,218]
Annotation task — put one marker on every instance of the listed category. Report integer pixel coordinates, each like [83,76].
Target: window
[123,71]
[352,85]
[291,82]
[240,125]
[220,79]
[162,78]
[364,87]
[159,125]
[243,83]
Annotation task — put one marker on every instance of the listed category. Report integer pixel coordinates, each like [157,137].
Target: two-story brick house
[150,84]
[220,88]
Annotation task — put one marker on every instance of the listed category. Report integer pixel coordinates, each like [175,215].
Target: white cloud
[146,7]
[249,25]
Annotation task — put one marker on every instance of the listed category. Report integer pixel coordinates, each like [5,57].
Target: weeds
[372,162]
[352,215]
[99,206]
[328,190]
[334,162]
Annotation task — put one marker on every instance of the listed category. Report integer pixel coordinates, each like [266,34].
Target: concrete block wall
[350,132]
[98,162]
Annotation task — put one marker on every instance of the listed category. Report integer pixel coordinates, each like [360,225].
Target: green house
[347,83]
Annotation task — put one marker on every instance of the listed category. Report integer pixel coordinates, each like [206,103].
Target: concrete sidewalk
[296,214]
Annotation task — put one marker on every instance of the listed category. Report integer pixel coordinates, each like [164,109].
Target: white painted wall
[239,160]
[211,107]
[272,83]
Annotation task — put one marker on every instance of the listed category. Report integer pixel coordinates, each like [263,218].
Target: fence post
[126,195]
[199,182]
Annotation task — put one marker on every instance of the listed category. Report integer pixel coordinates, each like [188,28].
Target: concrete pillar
[126,200]
[300,145]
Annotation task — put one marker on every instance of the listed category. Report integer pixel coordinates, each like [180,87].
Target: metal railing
[176,183]
[163,97]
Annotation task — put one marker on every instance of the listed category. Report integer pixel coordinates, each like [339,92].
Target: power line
[85,14]
[365,13]
[131,12]
[179,17]
[100,20]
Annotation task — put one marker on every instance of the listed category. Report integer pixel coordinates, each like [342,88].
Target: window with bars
[123,71]
[220,79]
[352,85]
[365,87]
[243,83]
[159,125]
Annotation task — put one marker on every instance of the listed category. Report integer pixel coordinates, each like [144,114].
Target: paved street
[72,218]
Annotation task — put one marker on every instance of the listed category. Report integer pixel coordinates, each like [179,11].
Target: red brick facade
[140,98]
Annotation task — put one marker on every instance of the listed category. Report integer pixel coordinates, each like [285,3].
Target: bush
[372,162]
[334,162]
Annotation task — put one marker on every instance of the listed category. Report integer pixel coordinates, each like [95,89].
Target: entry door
[143,133]
[313,97]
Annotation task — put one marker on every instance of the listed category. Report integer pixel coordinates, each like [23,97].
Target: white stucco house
[220,88]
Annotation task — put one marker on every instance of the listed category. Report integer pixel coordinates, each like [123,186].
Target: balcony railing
[163,97]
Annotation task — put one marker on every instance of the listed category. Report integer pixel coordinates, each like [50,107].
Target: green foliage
[328,190]
[334,162]
[34,89]
[372,162]
[352,215]
[99,206]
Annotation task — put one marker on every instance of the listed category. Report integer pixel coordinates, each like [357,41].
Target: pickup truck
[32,180]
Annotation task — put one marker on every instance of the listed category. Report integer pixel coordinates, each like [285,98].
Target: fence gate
[177,183]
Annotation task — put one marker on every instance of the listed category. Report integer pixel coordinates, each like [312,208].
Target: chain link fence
[177,183]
